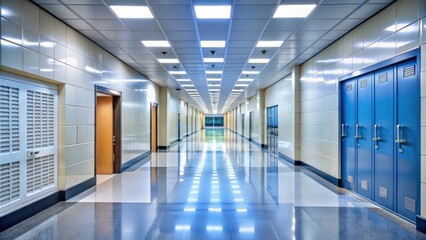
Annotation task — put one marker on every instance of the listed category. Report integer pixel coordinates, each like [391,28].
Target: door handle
[343,132]
[376,138]
[399,140]
[357,127]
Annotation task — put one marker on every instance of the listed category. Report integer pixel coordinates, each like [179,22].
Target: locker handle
[357,126]
[399,140]
[343,134]
[376,136]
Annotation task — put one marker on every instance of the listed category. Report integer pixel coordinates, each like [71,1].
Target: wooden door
[104,135]
[153,128]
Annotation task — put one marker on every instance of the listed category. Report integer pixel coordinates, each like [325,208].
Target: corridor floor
[214,185]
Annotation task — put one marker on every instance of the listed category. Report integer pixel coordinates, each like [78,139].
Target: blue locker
[348,101]
[363,135]
[407,140]
[384,129]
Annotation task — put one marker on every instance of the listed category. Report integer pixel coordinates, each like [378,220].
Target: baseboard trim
[163,148]
[77,189]
[28,211]
[289,159]
[326,176]
[421,224]
[135,160]
[32,209]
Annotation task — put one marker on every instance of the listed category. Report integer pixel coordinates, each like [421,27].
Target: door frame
[153,104]
[116,105]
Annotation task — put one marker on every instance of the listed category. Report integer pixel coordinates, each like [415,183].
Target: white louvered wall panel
[40,173]
[9,182]
[9,119]
[40,120]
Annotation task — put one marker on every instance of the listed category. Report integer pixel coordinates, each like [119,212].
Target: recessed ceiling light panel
[245,80]
[269,43]
[294,11]
[213,60]
[213,44]
[177,72]
[214,79]
[214,72]
[168,60]
[212,12]
[132,11]
[156,43]
[250,72]
[258,60]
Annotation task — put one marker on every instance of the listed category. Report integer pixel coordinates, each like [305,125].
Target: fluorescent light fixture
[156,43]
[269,43]
[132,11]
[213,85]
[187,85]
[237,90]
[245,80]
[250,72]
[214,90]
[241,85]
[214,79]
[183,228]
[217,12]
[177,72]
[213,44]
[214,72]
[191,90]
[168,60]
[294,11]
[258,60]
[183,80]
[213,60]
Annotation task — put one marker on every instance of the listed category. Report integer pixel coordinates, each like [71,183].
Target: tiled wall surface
[34,42]
[396,29]
[283,94]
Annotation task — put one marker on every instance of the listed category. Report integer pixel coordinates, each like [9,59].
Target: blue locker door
[383,150]
[348,105]
[408,146]
[364,137]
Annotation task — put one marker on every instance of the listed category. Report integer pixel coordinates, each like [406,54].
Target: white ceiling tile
[172,11]
[284,24]
[142,24]
[93,12]
[253,11]
[181,35]
[367,10]
[109,24]
[319,24]
[177,25]
[332,11]
[213,35]
[216,25]
[275,35]
[248,25]
[78,24]
[244,35]
[60,11]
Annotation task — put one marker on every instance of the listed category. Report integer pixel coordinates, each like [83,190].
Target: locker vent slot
[363,83]
[409,71]
[349,87]
[9,119]
[364,185]
[383,192]
[40,173]
[383,78]
[40,120]
[410,204]
[9,182]
[350,179]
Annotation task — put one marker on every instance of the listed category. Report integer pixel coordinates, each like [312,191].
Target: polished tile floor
[214,185]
